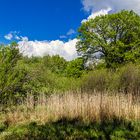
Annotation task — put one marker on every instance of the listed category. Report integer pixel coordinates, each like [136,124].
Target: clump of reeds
[88,107]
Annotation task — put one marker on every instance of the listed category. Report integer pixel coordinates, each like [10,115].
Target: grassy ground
[73,130]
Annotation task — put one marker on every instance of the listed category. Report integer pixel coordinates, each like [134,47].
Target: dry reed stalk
[85,106]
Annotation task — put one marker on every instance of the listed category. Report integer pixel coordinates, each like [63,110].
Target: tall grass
[84,106]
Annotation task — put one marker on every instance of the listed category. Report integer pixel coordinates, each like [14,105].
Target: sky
[40,19]
[43,27]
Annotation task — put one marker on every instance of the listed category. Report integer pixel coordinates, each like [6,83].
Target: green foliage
[75,68]
[125,79]
[115,36]
[47,75]
[97,80]
[13,44]
[55,63]
[12,77]
[74,129]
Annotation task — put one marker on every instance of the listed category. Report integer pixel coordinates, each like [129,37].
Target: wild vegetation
[51,98]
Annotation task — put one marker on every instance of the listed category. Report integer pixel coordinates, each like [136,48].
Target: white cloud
[42,48]
[9,36]
[12,35]
[62,36]
[24,38]
[115,5]
[70,32]
[98,13]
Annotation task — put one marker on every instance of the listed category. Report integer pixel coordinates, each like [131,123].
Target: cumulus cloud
[24,38]
[98,13]
[115,5]
[42,48]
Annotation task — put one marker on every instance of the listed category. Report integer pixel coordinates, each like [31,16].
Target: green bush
[96,80]
[125,79]
[75,68]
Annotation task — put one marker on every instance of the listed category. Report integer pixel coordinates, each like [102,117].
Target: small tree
[115,36]
[12,77]
[55,63]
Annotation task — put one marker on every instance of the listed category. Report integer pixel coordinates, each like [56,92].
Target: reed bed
[84,106]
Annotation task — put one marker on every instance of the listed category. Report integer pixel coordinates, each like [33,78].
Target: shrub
[96,80]
[75,68]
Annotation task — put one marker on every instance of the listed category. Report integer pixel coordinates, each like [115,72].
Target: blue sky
[49,27]
[40,19]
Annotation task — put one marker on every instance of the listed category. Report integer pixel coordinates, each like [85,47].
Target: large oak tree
[115,36]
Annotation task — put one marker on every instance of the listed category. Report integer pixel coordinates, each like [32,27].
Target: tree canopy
[115,36]
[75,68]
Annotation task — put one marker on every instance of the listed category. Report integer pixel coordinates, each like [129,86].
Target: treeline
[20,75]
